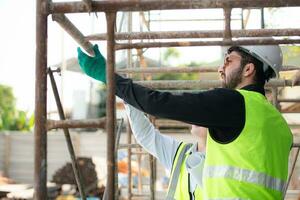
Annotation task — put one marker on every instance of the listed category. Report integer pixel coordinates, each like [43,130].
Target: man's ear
[249,70]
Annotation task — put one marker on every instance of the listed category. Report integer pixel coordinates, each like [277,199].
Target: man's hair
[260,76]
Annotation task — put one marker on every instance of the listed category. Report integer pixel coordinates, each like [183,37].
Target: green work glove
[93,66]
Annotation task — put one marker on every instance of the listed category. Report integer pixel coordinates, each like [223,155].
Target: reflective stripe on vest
[176,172]
[245,175]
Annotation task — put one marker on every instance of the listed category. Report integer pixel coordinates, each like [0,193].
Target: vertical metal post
[118,136]
[242,19]
[40,113]
[129,191]
[275,97]
[129,132]
[262,18]
[110,105]
[227,16]
[152,162]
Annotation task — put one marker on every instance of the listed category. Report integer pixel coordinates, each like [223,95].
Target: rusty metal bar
[202,84]
[88,4]
[40,112]
[129,152]
[77,174]
[258,41]
[110,106]
[118,136]
[166,70]
[152,176]
[126,146]
[181,69]
[69,27]
[289,111]
[289,100]
[292,169]
[275,97]
[89,123]
[145,5]
[197,34]
[227,28]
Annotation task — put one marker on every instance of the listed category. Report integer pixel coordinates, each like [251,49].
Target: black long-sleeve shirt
[221,110]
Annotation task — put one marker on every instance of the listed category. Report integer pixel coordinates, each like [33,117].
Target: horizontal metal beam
[126,146]
[89,123]
[203,84]
[289,100]
[154,70]
[145,5]
[197,34]
[257,41]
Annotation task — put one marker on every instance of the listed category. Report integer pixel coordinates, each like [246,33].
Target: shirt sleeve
[217,108]
[160,146]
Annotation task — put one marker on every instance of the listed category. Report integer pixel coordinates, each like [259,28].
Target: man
[185,161]
[249,141]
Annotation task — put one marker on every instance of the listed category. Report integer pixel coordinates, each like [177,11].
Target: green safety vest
[255,164]
[179,181]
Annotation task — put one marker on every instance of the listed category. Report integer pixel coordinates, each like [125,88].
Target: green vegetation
[10,117]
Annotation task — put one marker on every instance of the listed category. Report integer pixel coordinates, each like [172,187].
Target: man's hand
[93,66]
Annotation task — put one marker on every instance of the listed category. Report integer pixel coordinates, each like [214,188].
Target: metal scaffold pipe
[67,25]
[110,107]
[257,41]
[145,5]
[227,22]
[89,123]
[204,84]
[155,70]
[197,34]
[40,112]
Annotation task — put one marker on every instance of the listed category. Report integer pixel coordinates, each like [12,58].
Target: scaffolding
[45,8]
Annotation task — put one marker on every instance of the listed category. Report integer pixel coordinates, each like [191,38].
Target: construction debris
[65,175]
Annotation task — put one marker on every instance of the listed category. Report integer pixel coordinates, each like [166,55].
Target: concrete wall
[17,152]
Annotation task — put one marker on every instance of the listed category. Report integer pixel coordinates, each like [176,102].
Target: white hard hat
[269,55]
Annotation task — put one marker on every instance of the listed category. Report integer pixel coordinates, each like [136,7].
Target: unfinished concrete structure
[224,37]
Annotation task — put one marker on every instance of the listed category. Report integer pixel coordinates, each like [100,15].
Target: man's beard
[232,81]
